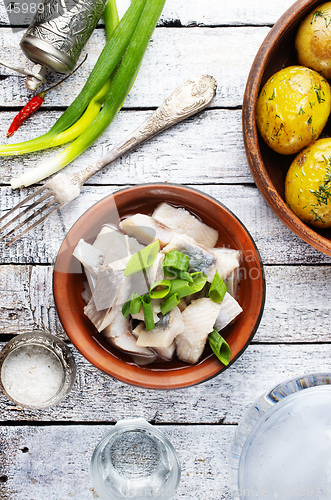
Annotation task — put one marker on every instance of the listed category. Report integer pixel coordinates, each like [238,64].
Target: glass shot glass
[37,370]
[135,460]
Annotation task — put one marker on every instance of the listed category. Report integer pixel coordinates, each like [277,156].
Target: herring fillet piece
[201,258]
[199,319]
[166,329]
[228,260]
[110,279]
[89,256]
[229,310]
[146,230]
[119,334]
[181,220]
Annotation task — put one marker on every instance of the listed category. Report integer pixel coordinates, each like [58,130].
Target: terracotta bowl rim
[251,135]
[174,384]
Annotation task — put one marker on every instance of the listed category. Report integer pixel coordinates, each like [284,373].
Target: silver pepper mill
[57,34]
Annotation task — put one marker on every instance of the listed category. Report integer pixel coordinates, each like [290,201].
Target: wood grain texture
[46,454]
[275,242]
[67,474]
[96,397]
[230,55]
[27,303]
[208,13]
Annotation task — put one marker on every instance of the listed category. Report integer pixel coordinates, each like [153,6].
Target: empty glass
[135,460]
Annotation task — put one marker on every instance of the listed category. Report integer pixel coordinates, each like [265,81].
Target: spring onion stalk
[199,281]
[120,87]
[126,309]
[106,64]
[217,289]
[220,347]
[175,264]
[160,289]
[148,312]
[142,259]
[110,16]
[170,303]
[135,303]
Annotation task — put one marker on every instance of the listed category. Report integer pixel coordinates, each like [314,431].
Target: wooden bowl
[68,286]
[268,167]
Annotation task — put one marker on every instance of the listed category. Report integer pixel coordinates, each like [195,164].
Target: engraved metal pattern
[67,28]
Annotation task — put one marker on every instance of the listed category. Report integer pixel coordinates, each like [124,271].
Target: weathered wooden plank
[208,13]
[27,303]
[54,462]
[225,53]
[276,243]
[97,397]
[212,139]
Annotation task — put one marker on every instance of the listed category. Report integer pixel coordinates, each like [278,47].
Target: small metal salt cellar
[57,35]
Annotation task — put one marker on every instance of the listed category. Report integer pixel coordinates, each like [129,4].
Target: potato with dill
[313,40]
[308,184]
[293,108]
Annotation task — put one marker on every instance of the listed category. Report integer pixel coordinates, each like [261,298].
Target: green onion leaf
[176,259]
[135,303]
[142,259]
[217,289]
[175,264]
[180,287]
[220,347]
[126,309]
[170,303]
[199,281]
[160,289]
[148,312]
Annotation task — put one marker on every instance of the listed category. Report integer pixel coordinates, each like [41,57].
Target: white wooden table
[46,454]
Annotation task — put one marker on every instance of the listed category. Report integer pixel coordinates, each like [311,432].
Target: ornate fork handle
[189,98]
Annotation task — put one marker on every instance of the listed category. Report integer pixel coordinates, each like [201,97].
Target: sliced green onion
[180,287]
[176,259]
[160,289]
[217,289]
[142,259]
[135,303]
[175,264]
[148,312]
[170,303]
[199,281]
[126,309]
[106,64]
[220,347]
[120,88]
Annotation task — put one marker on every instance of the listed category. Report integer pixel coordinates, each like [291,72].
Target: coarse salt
[32,375]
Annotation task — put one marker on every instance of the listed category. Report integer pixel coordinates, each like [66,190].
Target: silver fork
[189,98]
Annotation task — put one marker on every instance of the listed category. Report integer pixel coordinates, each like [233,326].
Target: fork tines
[42,204]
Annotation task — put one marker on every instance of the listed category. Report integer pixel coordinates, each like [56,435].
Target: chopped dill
[319,92]
[323,193]
[316,216]
[280,129]
[301,111]
[323,15]
[310,119]
[273,95]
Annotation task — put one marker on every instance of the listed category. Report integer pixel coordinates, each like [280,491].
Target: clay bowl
[269,168]
[68,286]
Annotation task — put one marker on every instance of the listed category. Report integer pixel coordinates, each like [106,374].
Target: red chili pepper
[34,104]
[25,112]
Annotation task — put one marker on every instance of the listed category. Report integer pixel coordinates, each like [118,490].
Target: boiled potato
[293,108]
[308,184]
[313,40]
